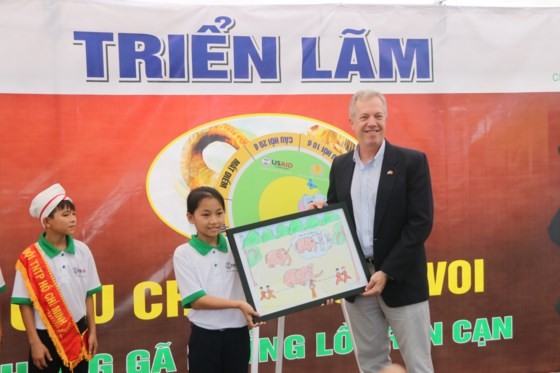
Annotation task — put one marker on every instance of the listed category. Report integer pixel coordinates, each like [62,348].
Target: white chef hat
[46,201]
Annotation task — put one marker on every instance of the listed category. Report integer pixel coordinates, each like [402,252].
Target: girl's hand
[249,312]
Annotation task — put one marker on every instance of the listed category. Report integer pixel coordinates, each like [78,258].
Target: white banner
[101,47]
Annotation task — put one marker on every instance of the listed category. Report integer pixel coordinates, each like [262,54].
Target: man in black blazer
[389,195]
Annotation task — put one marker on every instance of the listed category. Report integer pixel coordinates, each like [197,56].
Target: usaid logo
[276,163]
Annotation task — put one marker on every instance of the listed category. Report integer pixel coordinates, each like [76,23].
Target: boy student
[55,280]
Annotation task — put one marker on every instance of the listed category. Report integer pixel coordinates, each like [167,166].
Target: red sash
[70,344]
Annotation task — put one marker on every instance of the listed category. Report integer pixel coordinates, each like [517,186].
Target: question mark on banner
[224,23]
[227,23]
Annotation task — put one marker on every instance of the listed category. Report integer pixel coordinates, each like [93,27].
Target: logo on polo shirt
[231,267]
[80,272]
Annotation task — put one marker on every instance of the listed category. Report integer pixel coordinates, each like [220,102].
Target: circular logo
[264,165]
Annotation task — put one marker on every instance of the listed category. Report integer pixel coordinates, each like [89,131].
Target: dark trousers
[219,351]
[56,364]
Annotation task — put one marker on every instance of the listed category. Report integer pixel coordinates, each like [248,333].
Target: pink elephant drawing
[306,244]
[300,276]
[279,257]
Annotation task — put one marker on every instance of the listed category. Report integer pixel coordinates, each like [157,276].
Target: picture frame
[294,262]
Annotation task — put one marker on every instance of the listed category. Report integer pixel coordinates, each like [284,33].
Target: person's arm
[207,302]
[92,328]
[39,352]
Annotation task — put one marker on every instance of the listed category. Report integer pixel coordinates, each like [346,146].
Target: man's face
[369,122]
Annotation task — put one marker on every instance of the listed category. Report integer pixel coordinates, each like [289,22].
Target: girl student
[209,285]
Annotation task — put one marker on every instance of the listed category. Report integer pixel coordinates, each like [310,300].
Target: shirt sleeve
[20,295]
[93,282]
[188,282]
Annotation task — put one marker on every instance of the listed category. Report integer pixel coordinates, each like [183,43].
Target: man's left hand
[376,284]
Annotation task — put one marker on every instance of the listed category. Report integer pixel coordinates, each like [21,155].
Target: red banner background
[495,168]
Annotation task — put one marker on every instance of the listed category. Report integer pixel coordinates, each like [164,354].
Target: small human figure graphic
[338,276]
[344,274]
[269,292]
[312,287]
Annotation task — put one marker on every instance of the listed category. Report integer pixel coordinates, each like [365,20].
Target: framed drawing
[297,261]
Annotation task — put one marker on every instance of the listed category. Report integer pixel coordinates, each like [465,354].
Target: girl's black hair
[198,194]
[63,205]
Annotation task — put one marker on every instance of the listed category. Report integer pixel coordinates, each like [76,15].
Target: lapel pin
[390,172]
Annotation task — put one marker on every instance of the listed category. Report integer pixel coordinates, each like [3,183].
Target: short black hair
[198,194]
[62,205]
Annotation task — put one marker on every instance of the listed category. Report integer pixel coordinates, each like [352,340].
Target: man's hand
[376,284]
[315,205]
[329,302]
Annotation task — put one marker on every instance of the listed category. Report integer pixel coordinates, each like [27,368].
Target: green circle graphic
[277,183]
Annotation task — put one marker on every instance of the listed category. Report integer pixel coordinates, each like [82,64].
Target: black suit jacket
[403,219]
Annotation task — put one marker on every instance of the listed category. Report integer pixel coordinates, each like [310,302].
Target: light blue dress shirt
[365,183]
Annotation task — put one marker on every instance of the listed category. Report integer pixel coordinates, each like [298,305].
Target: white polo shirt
[2,282]
[201,269]
[74,272]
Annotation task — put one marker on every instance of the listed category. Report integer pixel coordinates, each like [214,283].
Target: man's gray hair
[364,94]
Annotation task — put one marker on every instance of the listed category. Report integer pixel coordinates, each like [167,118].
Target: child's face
[63,222]
[208,218]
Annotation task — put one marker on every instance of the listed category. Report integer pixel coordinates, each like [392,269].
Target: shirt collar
[379,155]
[52,251]
[203,248]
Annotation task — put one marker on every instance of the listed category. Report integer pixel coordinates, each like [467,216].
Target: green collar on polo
[52,251]
[203,248]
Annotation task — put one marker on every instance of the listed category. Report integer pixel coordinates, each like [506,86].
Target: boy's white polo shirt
[201,269]
[2,282]
[74,271]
